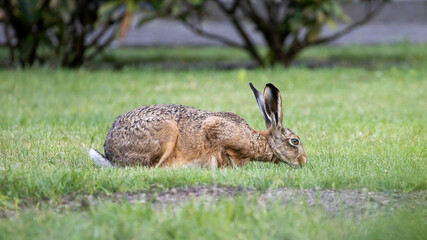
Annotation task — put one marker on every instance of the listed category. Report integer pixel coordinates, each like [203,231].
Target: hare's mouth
[293,165]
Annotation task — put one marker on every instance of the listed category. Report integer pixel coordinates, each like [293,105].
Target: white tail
[99,159]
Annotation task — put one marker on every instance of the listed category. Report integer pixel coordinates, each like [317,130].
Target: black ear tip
[252,87]
[270,85]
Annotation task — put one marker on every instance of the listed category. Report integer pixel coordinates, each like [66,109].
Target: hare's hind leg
[168,137]
[149,146]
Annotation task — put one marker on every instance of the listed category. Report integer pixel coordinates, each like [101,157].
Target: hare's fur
[177,135]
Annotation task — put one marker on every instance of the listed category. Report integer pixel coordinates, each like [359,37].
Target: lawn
[362,128]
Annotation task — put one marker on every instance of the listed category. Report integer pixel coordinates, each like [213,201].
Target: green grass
[228,219]
[361,128]
[373,56]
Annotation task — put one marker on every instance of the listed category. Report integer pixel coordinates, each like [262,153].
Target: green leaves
[54,29]
[313,15]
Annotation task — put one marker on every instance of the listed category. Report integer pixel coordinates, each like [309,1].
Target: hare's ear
[260,100]
[273,104]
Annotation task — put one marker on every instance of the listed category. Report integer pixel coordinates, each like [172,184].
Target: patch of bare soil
[333,201]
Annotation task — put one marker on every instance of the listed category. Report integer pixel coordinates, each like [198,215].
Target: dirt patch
[331,200]
[342,200]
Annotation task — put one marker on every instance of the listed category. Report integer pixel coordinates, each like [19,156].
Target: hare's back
[151,114]
[179,113]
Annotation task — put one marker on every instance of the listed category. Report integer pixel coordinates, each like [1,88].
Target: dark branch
[250,10]
[105,28]
[100,47]
[9,44]
[272,10]
[224,8]
[248,43]
[210,35]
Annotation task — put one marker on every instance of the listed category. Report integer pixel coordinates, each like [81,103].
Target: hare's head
[286,145]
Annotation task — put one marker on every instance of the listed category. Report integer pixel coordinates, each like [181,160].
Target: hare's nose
[302,159]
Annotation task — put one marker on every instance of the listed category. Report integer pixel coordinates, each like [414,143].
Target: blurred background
[197,33]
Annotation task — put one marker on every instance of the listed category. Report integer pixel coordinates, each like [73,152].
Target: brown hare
[175,135]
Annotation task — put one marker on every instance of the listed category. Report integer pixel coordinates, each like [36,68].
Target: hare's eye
[294,141]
